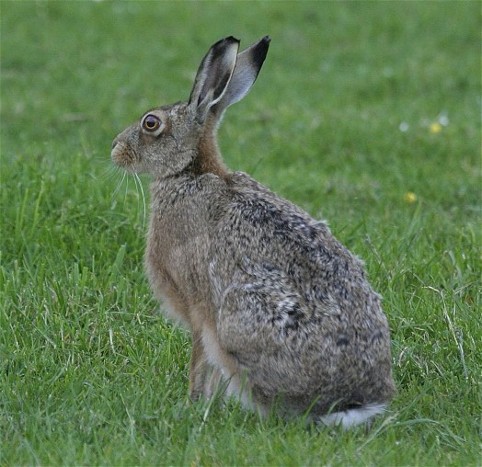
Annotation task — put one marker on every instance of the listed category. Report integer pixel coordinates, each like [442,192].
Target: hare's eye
[151,123]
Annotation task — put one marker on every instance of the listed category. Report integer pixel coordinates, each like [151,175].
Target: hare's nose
[114,143]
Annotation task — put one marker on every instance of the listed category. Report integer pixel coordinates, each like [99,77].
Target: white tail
[352,417]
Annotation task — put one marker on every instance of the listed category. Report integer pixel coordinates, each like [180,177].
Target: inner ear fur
[213,76]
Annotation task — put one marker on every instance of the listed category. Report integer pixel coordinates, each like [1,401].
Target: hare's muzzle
[121,154]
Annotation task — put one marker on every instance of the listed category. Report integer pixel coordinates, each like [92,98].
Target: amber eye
[151,123]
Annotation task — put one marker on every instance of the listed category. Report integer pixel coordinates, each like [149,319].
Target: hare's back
[302,279]
[271,230]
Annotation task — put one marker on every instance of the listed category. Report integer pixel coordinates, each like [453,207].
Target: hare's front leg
[199,368]
[205,380]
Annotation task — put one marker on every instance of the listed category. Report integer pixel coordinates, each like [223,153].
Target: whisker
[109,172]
[119,185]
[127,189]
[103,167]
[139,190]
[136,177]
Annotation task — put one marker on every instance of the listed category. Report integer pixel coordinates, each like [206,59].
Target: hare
[281,313]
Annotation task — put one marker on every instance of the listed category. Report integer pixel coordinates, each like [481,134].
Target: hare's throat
[209,159]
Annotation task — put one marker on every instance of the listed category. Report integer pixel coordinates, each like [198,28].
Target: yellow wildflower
[410,197]
[435,128]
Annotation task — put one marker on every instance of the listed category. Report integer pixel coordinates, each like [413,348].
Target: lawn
[366,114]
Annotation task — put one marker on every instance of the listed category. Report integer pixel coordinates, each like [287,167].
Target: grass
[366,114]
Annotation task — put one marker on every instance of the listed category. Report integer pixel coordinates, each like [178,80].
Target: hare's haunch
[281,313]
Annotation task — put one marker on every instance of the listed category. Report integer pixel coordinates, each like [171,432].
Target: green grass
[90,373]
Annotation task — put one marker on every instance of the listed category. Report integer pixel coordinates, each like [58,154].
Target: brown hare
[281,313]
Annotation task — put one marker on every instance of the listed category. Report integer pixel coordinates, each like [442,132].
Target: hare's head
[172,139]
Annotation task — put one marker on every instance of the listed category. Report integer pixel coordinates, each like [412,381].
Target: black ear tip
[230,39]
[261,50]
[225,41]
[264,44]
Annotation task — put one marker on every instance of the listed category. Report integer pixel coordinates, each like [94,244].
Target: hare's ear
[213,76]
[246,71]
